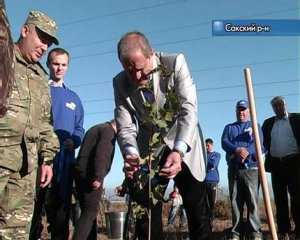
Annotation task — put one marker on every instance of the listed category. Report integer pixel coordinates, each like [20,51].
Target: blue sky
[90,31]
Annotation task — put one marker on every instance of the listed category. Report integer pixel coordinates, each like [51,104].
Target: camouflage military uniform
[25,134]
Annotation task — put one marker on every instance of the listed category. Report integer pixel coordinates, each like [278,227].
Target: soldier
[25,129]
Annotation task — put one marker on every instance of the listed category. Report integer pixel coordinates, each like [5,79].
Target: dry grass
[221,224]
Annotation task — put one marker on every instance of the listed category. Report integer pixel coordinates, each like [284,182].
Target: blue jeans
[244,189]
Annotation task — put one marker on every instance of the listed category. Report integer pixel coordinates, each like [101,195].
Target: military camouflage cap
[43,23]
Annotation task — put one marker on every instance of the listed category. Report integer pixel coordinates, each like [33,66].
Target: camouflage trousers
[16,203]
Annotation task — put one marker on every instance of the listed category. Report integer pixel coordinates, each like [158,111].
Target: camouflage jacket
[26,132]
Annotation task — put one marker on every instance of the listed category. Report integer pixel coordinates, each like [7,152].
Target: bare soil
[221,223]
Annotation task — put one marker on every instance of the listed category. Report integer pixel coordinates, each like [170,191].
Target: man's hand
[69,144]
[242,153]
[131,165]
[46,175]
[96,184]
[172,165]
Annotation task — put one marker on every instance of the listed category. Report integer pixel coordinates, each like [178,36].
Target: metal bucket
[115,224]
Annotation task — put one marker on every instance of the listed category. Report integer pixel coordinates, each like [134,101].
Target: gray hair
[277,99]
[132,41]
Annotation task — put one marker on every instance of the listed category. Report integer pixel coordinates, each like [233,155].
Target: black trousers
[212,195]
[195,201]
[58,214]
[36,227]
[286,179]
[89,199]
[156,224]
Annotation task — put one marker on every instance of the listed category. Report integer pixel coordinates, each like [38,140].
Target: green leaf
[161,123]
[169,116]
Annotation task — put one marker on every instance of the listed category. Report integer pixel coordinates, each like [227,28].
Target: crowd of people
[155,121]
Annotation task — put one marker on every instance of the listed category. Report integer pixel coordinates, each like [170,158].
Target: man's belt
[287,157]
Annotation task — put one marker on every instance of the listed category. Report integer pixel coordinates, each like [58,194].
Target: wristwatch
[178,151]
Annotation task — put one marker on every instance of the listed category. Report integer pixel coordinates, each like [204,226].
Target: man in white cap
[238,143]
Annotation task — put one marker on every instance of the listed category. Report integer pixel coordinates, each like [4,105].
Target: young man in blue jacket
[68,115]
[238,143]
[212,174]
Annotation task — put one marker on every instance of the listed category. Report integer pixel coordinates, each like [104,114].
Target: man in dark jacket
[93,163]
[281,140]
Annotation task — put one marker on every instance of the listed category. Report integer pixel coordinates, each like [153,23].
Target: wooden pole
[261,167]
